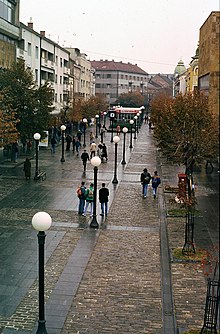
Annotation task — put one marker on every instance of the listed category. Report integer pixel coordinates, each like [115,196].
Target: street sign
[112,115]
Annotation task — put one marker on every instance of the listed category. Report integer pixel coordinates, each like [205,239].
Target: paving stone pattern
[113,286]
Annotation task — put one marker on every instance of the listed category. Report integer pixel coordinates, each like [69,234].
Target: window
[61,62]
[55,97]
[36,75]
[36,52]
[61,98]
[29,49]
[56,78]
[56,60]
[109,76]
[61,79]
[7,11]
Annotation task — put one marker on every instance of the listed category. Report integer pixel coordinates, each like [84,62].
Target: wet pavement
[120,278]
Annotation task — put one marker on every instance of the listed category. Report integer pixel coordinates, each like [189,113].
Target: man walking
[103,199]
[84,157]
[92,149]
[81,193]
[89,199]
[145,180]
[155,183]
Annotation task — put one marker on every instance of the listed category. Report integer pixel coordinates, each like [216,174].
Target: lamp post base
[84,145]
[123,162]
[62,160]
[94,223]
[41,327]
[115,180]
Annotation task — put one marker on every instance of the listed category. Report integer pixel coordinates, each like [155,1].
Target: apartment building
[48,61]
[82,74]
[9,31]
[115,78]
[209,60]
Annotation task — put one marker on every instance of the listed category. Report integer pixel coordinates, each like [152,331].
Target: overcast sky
[154,34]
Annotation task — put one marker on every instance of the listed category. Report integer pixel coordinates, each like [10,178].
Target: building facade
[209,60]
[9,31]
[115,78]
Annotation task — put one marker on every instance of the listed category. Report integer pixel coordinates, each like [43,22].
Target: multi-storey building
[48,61]
[83,73]
[209,59]
[115,78]
[9,31]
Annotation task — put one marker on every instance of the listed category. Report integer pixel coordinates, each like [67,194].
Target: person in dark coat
[84,158]
[68,142]
[103,199]
[27,169]
[145,180]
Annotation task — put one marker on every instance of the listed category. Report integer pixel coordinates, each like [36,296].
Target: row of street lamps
[42,221]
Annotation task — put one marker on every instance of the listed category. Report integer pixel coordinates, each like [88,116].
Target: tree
[132,99]
[186,130]
[8,130]
[31,105]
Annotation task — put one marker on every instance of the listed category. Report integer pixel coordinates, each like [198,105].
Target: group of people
[146,178]
[86,199]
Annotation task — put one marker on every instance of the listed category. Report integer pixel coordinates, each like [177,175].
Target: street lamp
[116,140]
[131,123]
[124,130]
[96,117]
[41,222]
[63,128]
[84,131]
[95,161]
[135,127]
[37,137]
[105,113]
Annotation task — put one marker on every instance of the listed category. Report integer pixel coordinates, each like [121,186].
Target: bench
[41,176]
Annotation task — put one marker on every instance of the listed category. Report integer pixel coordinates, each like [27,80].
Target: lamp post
[96,118]
[131,123]
[112,116]
[37,137]
[116,140]
[63,128]
[124,130]
[95,161]
[135,127]
[41,222]
[84,131]
[105,113]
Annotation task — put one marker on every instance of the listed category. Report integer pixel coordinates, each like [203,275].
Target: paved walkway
[115,279]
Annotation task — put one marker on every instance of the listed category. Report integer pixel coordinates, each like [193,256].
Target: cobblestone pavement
[98,281]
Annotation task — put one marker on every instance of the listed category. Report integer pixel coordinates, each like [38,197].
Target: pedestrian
[92,137]
[53,144]
[78,145]
[118,130]
[29,145]
[145,119]
[79,135]
[102,133]
[155,183]
[81,193]
[27,169]
[103,199]
[15,152]
[85,158]
[89,199]
[104,152]
[74,143]
[145,180]
[68,142]
[92,149]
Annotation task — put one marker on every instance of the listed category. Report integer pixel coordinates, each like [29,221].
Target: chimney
[30,25]
[43,33]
